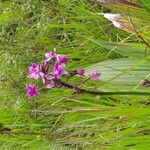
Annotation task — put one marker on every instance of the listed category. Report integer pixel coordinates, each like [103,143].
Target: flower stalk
[78,90]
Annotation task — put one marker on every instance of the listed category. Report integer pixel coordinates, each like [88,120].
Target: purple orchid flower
[50,56]
[58,71]
[49,81]
[44,67]
[49,76]
[32,90]
[81,72]
[62,59]
[49,84]
[50,72]
[34,71]
[95,75]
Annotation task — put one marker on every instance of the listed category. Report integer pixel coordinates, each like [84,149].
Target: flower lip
[49,84]
[62,59]
[34,71]
[44,67]
[32,90]
[50,55]
[81,72]
[95,75]
[58,71]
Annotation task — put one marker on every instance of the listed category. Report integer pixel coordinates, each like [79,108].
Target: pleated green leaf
[122,72]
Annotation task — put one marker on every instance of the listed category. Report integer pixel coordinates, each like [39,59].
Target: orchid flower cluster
[51,70]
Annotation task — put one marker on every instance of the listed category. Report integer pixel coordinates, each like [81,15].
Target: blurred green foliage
[59,119]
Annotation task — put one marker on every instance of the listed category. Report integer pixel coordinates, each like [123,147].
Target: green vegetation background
[58,119]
